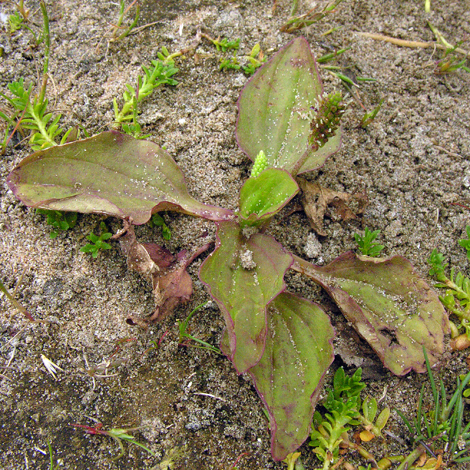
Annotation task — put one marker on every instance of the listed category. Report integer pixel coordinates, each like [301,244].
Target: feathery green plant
[366,243]
[344,409]
[457,295]
[31,111]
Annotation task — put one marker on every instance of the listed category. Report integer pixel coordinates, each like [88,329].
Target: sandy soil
[412,161]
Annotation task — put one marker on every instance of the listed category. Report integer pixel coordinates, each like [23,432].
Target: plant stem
[404,43]
[15,303]
[300,162]
[47,50]
[411,458]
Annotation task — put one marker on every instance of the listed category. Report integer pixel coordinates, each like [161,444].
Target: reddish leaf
[110,173]
[275,106]
[244,275]
[290,374]
[388,304]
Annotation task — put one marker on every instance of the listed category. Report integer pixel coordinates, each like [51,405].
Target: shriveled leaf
[171,282]
[110,173]
[290,374]
[244,275]
[317,199]
[366,436]
[388,304]
[274,110]
[265,195]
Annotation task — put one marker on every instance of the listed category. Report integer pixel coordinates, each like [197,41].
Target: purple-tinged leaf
[388,304]
[290,374]
[274,110]
[263,196]
[244,275]
[110,173]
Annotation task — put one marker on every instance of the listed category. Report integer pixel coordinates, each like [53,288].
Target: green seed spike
[330,109]
[261,163]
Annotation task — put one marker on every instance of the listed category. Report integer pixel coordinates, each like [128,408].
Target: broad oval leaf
[388,304]
[110,173]
[274,110]
[265,195]
[244,275]
[290,374]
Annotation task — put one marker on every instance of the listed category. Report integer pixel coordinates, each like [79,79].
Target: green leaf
[274,110]
[388,304]
[266,194]
[112,174]
[290,374]
[244,275]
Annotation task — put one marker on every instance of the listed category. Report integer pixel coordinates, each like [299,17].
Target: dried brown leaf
[171,282]
[319,201]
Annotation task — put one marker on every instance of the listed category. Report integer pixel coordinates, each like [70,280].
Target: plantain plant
[283,341]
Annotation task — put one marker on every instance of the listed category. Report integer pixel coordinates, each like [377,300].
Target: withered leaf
[171,282]
[319,201]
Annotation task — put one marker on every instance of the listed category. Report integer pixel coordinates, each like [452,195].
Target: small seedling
[31,111]
[61,221]
[97,242]
[366,243]
[450,62]
[52,465]
[34,116]
[223,45]
[293,461]
[256,59]
[20,19]
[370,116]
[16,22]
[332,55]
[160,75]
[158,221]
[230,64]
[117,434]
[184,335]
